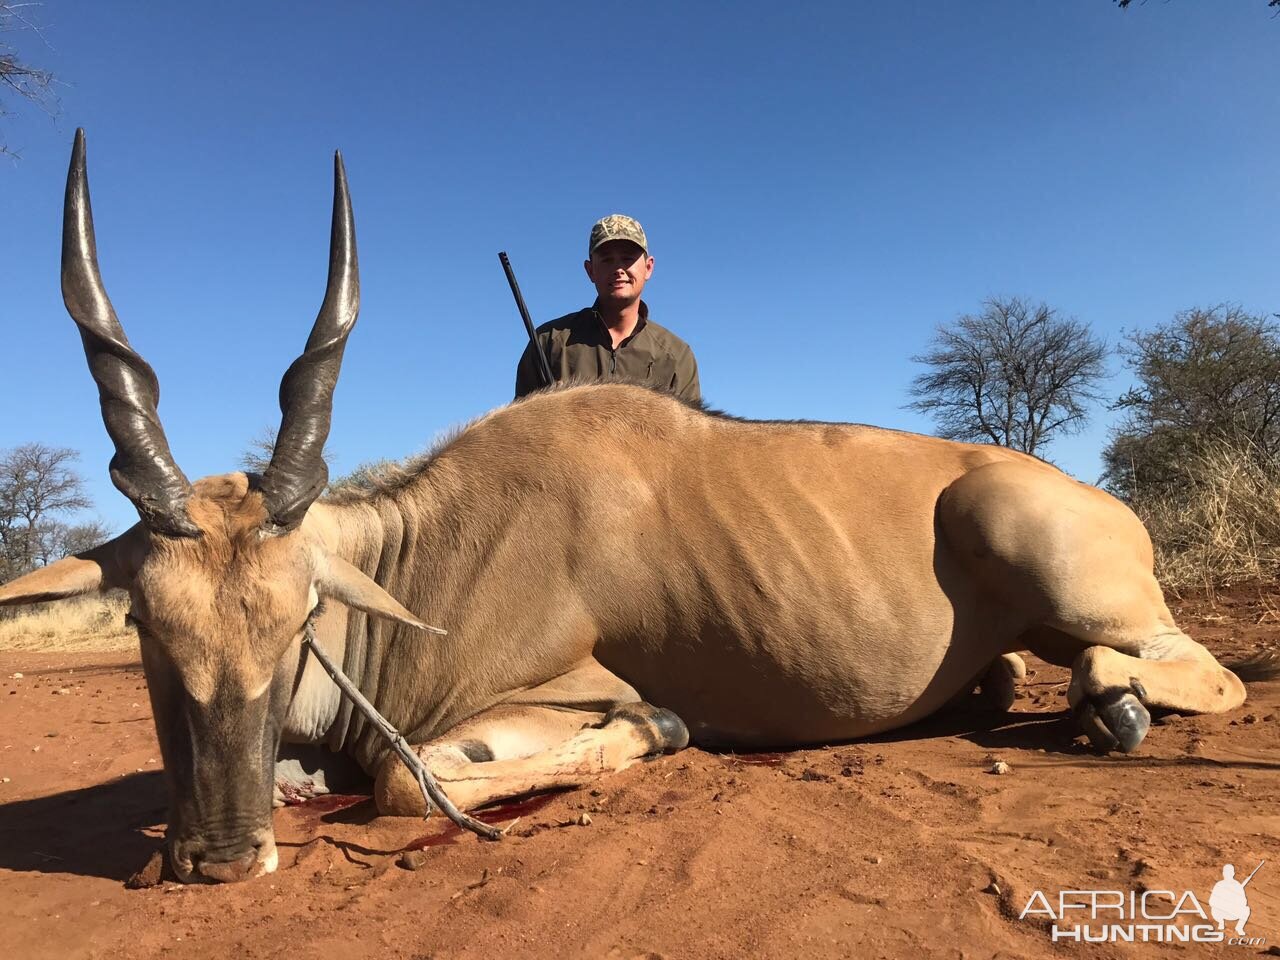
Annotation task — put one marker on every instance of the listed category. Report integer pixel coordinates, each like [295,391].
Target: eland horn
[297,473]
[142,469]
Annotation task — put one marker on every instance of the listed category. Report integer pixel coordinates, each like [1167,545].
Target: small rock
[1249,718]
[15,676]
[584,820]
[992,888]
[874,859]
[1168,718]
[1272,951]
[846,771]
[35,749]
[1000,768]
[148,876]
[62,691]
[412,859]
[1269,718]
[4,779]
[814,775]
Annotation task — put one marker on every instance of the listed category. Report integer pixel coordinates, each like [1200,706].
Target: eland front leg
[521,750]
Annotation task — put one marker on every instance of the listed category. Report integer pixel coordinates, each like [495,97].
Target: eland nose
[194,860]
[229,871]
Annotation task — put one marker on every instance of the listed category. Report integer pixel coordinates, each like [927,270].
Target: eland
[619,574]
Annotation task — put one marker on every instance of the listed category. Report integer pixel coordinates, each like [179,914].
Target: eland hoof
[664,731]
[1113,721]
[294,785]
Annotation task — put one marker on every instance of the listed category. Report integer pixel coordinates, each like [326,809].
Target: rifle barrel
[1250,876]
[544,368]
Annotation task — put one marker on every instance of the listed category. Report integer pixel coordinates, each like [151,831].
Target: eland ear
[348,585]
[103,568]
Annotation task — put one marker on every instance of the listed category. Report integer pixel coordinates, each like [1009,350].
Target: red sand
[888,848]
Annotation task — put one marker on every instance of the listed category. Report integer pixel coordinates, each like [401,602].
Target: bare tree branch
[1124,3]
[38,485]
[19,79]
[1015,375]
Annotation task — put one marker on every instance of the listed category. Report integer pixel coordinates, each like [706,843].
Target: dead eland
[619,573]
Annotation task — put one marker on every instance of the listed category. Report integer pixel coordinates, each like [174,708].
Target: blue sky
[822,183]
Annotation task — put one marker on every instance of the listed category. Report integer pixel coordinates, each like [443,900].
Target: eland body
[618,572]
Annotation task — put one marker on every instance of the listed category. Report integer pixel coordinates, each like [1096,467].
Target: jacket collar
[640,324]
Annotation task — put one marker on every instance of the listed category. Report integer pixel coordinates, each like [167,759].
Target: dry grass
[1223,527]
[82,624]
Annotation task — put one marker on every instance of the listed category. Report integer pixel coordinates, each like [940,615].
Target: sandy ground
[900,847]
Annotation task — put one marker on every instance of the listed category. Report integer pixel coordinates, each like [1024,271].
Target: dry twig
[431,790]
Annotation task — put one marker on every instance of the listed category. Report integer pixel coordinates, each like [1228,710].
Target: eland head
[223,575]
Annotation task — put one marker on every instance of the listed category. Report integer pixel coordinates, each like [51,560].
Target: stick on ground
[431,790]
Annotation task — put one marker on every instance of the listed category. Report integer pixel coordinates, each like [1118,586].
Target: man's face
[619,269]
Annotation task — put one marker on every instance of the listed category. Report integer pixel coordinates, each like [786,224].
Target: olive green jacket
[579,346]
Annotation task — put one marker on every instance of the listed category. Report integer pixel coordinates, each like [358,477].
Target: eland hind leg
[1077,565]
[996,688]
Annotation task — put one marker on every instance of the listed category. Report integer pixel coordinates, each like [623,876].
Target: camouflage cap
[616,226]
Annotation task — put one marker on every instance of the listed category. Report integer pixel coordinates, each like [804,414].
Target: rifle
[1250,876]
[544,368]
